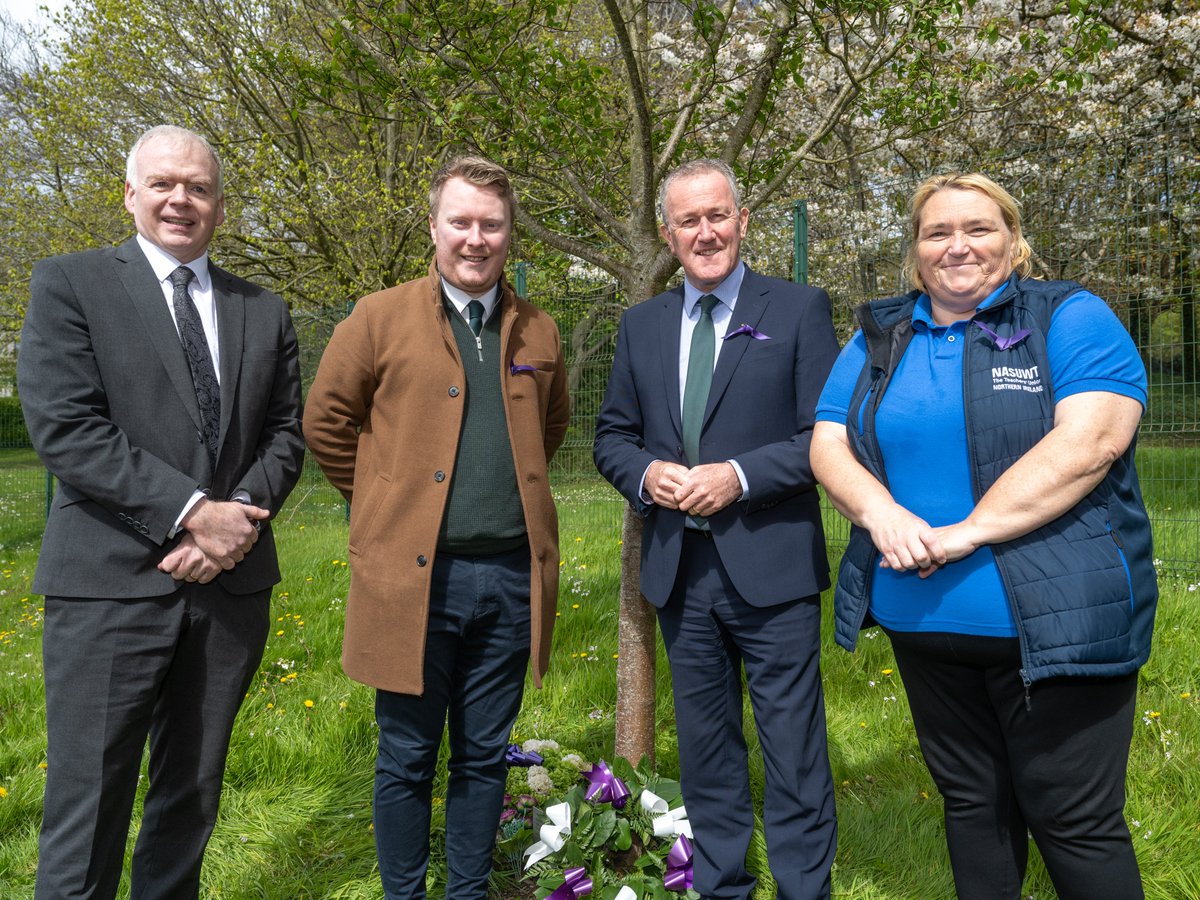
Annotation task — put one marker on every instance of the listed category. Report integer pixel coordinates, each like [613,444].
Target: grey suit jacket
[112,413]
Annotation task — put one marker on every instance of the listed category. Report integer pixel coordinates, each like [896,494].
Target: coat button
[421,560]
[453,390]
[439,476]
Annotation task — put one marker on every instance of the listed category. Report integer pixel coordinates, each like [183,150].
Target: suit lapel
[751,304]
[671,315]
[146,296]
[231,330]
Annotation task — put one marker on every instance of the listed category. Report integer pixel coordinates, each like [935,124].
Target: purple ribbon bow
[515,756]
[678,876]
[746,329]
[1004,343]
[577,885]
[515,369]
[605,787]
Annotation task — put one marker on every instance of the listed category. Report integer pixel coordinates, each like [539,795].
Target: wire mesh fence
[1121,216]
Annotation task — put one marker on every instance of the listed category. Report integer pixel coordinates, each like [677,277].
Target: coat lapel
[145,294]
[231,330]
[751,304]
[669,331]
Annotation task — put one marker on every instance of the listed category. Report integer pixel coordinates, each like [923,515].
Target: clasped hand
[698,491]
[906,541]
[219,535]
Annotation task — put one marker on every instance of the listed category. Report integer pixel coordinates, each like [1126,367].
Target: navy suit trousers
[476,653]
[711,633]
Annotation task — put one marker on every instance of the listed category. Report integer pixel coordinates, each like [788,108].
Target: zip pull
[1025,680]
[479,346]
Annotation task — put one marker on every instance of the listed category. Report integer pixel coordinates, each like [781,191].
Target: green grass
[295,819]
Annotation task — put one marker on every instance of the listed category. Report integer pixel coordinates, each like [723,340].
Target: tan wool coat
[383,419]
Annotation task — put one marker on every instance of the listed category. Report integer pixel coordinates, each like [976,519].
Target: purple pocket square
[1005,343]
[515,369]
[746,329]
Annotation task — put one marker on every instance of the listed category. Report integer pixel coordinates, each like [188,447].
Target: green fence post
[800,242]
[522,272]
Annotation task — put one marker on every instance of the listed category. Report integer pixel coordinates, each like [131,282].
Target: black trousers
[1050,764]
[173,668]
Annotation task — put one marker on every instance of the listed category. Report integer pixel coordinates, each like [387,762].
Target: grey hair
[697,167]
[172,133]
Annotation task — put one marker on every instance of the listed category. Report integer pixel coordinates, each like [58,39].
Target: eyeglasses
[714,219]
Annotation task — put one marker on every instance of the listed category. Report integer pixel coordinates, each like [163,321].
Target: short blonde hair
[477,171]
[1010,210]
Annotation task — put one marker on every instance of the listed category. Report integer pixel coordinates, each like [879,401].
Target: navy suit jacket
[111,411]
[760,412]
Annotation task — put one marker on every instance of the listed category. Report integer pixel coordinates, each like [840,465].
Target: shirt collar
[461,298]
[923,311]
[726,291]
[164,264]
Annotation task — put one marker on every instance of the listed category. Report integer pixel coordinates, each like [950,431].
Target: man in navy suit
[705,430]
[164,395]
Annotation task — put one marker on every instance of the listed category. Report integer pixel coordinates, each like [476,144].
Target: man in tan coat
[436,409]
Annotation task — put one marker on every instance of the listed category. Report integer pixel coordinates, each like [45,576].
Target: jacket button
[439,476]
[453,391]
[421,560]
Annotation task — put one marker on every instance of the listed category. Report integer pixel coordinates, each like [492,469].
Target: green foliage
[12,424]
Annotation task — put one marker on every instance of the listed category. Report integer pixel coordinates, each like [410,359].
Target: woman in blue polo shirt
[979,435]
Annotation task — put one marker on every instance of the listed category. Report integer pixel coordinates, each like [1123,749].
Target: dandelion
[3,793]
[279,633]
[862,724]
[887,671]
[308,704]
[1186,695]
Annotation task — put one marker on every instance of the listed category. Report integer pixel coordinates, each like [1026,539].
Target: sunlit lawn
[296,816]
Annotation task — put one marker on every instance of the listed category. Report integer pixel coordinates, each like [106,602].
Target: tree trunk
[635,662]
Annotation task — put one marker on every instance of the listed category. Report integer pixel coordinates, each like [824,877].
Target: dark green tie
[699,379]
[475,317]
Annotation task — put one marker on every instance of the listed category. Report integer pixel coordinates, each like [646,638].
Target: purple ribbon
[678,876]
[515,756]
[746,329]
[577,885]
[1004,343]
[605,787]
[516,369]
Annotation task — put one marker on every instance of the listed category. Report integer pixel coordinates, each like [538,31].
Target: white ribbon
[626,893]
[667,822]
[553,834]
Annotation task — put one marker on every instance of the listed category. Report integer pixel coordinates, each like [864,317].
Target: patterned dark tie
[195,348]
[696,387]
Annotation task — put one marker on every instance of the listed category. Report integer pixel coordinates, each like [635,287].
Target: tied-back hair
[1010,210]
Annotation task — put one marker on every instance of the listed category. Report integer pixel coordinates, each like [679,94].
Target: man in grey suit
[164,395]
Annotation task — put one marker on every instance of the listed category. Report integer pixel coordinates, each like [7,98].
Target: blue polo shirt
[922,434]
